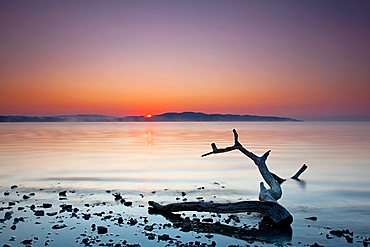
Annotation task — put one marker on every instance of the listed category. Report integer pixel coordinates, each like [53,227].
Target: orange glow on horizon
[149,115]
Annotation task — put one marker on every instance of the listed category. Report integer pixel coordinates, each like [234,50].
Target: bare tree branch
[299,172]
[272,194]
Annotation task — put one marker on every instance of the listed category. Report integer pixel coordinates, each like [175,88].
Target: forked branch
[274,193]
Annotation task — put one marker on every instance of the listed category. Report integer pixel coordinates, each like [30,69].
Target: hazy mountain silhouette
[165,117]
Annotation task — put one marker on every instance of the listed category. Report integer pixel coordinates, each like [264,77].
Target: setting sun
[149,115]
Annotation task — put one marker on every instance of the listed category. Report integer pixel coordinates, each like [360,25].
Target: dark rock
[27,241]
[107,217]
[117,196]
[149,228]
[127,204]
[6,193]
[39,212]
[86,216]
[32,207]
[186,225]
[102,230]
[151,236]
[13,227]
[122,200]
[314,218]
[20,208]
[58,226]
[63,193]
[51,213]
[86,241]
[16,220]
[11,203]
[209,236]
[47,205]
[132,222]
[66,207]
[164,237]
[316,245]
[341,233]
[120,220]
[32,194]
[8,215]
[25,197]
[349,239]
[183,193]
[168,225]
[7,245]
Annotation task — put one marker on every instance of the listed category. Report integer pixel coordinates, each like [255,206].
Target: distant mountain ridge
[165,117]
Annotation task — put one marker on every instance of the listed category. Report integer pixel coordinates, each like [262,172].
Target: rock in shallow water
[86,216]
[27,241]
[39,212]
[51,213]
[59,226]
[102,230]
[47,205]
[63,193]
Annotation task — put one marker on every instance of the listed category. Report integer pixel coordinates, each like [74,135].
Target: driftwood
[272,212]
[267,205]
[262,234]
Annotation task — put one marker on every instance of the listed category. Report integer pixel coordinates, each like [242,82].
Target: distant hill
[165,117]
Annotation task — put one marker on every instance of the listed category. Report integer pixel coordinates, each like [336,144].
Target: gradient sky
[290,58]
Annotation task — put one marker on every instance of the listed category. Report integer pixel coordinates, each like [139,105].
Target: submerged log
[264,233]
[272,212]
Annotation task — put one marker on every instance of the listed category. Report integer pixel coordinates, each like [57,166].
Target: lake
[161,160]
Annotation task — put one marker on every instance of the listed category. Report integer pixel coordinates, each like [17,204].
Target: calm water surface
[143,157]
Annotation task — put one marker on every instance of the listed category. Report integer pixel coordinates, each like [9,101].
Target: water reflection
[147,157]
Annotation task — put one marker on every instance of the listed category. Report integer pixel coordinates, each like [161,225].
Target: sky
[283,58]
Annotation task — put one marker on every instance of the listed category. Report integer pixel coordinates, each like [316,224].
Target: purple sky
[290,58]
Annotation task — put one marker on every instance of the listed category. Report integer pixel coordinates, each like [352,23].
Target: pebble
[47,205]
[59,226]
[102,229]
[63,193]
[39,212]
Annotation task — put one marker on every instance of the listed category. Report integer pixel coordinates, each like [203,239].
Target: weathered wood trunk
[263,233]
[272,212]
